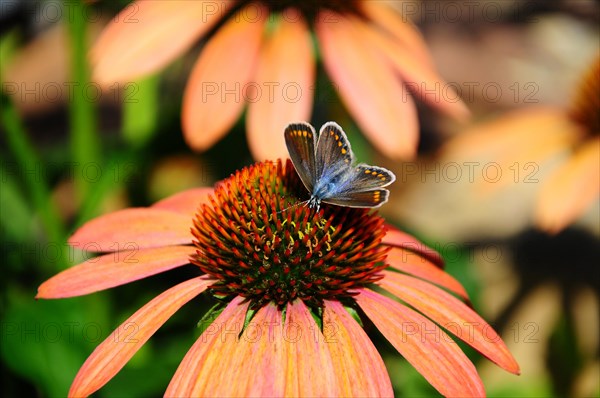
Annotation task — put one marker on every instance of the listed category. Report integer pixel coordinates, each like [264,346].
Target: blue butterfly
[325,164]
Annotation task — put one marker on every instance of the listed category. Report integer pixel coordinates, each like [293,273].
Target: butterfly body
[325,164]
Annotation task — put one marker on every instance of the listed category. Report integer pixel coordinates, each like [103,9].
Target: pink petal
[424,345]
[186,202]
[571,190]
[410,263]
[310,370]
[394,237]
[257,368]
[368,86]
[114,352]
[400,27]
[359,366]
[452,314]
[134,228]
[218,86]
[147,35]
[284,77]
[114,269]
[417,75]
[219,342]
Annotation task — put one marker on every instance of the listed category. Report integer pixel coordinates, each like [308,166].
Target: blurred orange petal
[452,314]
[133,228]
[424,345]
[186,202]
[571,190]
[411,263]
[283,92]
[114,269]
[369,88]
[395,237]
[218,86]
[358,364]
[216,344]
[421,80]
[400,27]
[147,35]
[523,128]
[118,348]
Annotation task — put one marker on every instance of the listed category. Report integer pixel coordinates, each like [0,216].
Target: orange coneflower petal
[283,92]
[394,237]
[309,371]
[114,269]
[147,35]
[114,352]
[186,202]
[517,142]
[505,135]
[257,368]
[410,263]
[424,345]
[134,228]
[417,77]
[571,190]
[218,86]
[217,343]
[452,314]
[370,89]
[359,366]
[400,27]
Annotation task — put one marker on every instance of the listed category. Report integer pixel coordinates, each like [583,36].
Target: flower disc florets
[585,109]
[258,240]
[309,8]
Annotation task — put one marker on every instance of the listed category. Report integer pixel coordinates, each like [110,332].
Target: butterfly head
[314,203]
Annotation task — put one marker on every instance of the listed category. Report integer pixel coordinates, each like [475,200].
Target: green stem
[34,178]
[85,145]
[140,110]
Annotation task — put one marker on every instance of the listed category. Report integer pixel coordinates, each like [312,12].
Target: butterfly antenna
[294,205]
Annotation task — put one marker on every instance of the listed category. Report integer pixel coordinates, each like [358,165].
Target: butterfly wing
[373,198]
[362,186]
[333,150]
[300,139]
[370,177]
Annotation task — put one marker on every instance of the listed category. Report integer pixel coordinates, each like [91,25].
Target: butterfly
[325,164]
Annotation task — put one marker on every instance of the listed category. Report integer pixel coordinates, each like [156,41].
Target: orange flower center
[585,109]
[309,8]
[258,240]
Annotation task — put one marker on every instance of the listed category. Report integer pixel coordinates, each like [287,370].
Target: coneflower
[291,283]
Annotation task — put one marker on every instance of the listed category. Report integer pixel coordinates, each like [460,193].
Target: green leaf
[210,317]
[47,341]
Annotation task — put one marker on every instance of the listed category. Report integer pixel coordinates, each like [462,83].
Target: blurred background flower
[524,140]
[260,53]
